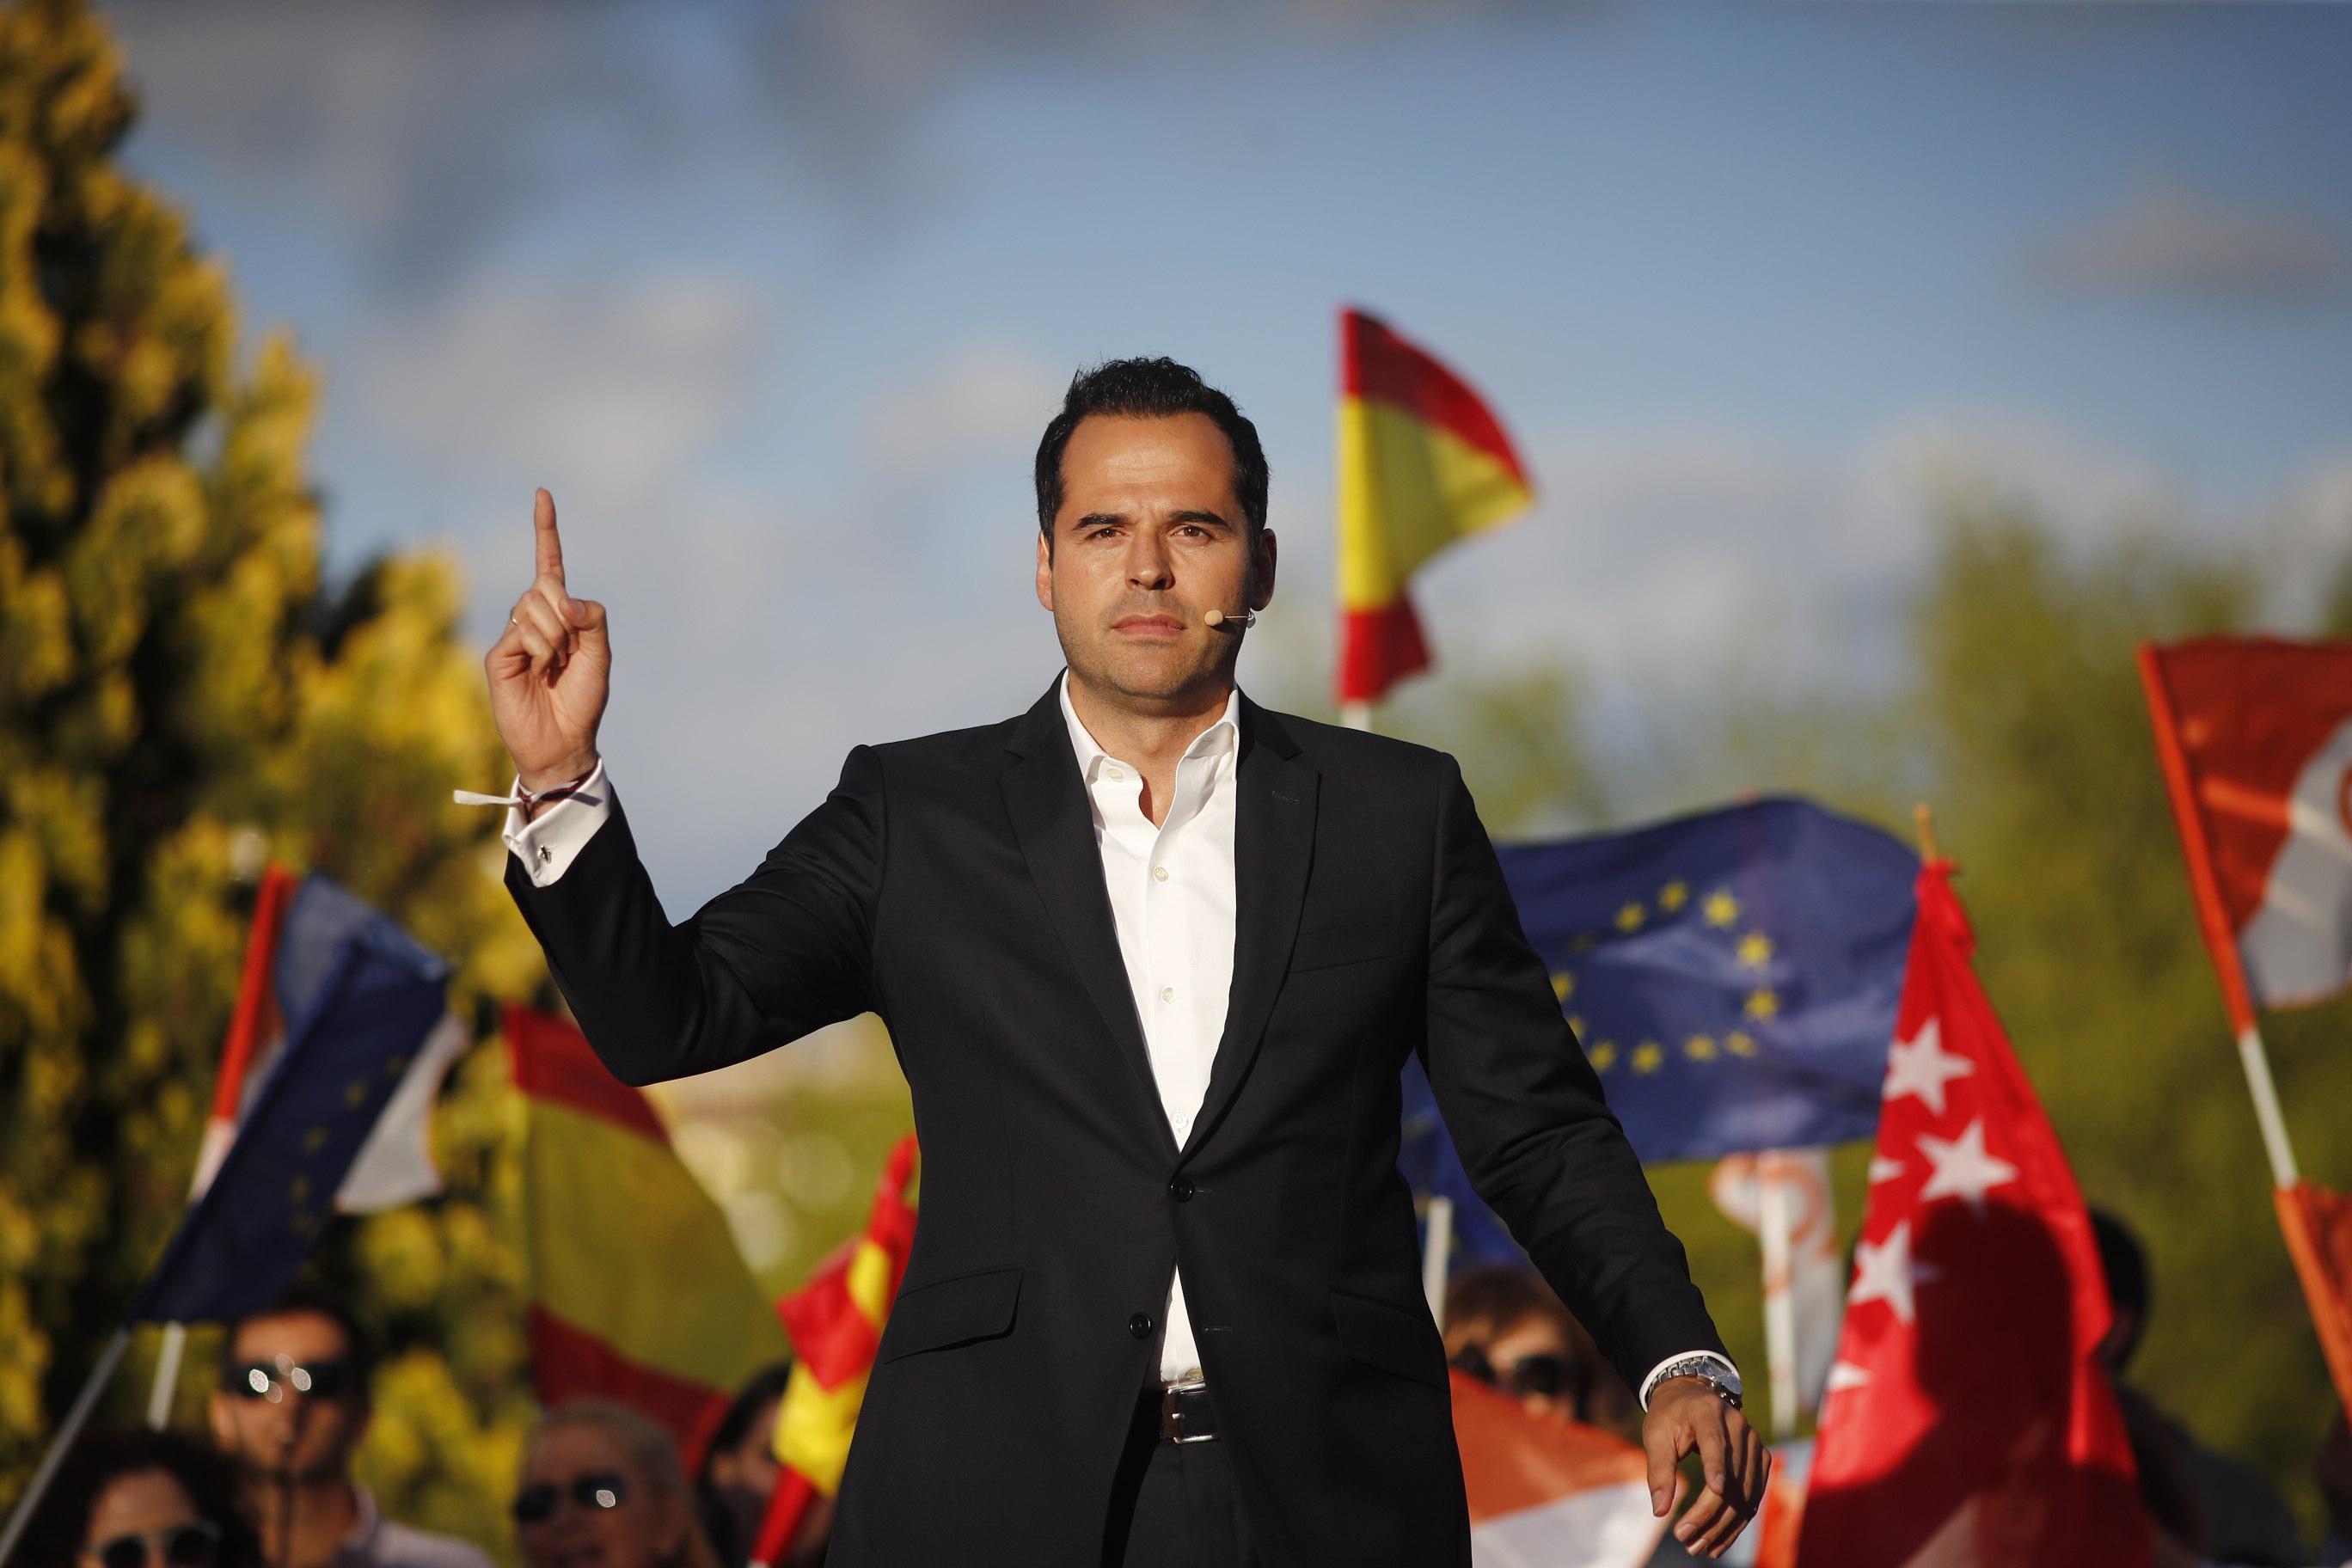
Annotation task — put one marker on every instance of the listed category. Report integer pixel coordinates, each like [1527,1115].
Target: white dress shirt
[1171,897]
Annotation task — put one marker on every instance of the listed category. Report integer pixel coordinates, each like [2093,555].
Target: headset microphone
[1245,620]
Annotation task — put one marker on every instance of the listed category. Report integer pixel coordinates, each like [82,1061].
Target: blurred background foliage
[182,697]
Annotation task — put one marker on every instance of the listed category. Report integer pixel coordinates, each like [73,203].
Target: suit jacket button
[1139,1325]
[1181,1189]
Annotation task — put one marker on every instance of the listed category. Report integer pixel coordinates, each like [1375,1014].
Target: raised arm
[783,952]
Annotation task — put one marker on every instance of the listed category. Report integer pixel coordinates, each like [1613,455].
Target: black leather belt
[1185,1414]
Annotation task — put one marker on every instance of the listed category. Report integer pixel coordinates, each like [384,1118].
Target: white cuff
[548,842]
[1649,1383]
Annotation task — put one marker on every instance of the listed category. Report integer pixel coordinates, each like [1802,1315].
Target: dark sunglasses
[195,1545]
[270,1379]
[1548,1376]
[536,1503]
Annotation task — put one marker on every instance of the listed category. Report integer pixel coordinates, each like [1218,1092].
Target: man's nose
[1147,562]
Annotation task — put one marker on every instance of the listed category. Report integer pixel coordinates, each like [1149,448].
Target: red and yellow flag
[836,1321]
[638,1293]
[1422,462]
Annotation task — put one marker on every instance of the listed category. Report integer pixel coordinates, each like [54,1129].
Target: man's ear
[1044,571]
[1262,556]
[222,1424]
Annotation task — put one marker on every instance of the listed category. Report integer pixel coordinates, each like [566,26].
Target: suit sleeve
[787,950]
[1527,1114]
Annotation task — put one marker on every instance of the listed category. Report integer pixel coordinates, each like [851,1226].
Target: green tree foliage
[180,699]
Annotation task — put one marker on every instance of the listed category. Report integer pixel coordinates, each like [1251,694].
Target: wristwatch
[1713,1373]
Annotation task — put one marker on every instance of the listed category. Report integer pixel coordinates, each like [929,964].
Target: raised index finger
[551,545]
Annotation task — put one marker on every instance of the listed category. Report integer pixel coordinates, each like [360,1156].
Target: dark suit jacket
[952,884]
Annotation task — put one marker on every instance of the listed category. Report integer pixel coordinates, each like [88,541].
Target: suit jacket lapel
[1055,826]
[1274,844]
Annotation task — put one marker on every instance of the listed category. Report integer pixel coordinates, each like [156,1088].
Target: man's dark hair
[1149,389]
[304,1298]
[55,1537]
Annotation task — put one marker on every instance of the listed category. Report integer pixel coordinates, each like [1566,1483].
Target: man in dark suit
[1151,957]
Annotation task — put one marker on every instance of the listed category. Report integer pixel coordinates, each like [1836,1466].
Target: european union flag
[1732,978]
[359,997]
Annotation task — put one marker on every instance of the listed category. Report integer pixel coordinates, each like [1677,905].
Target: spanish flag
[637,1291]
[1422,462]
[836,1320]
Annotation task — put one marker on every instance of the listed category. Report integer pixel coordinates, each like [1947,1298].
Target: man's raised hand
[549,671]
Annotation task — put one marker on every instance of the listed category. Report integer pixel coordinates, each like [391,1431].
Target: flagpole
[2267,1116]
[167,1375]
[62,1444]
[1356,715]
[1437,1250]
[1774,1235]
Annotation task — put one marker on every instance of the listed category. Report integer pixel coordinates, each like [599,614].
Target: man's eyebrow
[1194,516]
[1096,519]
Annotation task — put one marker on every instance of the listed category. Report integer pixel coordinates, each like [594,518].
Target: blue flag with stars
[359,997]
[1731,976]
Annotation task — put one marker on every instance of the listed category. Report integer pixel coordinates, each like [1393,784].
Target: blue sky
[776,299]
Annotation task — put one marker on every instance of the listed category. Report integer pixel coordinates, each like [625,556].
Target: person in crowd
[1506,1327]
[138,1499]
[2217,1507]
[603,1487]
[290,1409]
[739,1472]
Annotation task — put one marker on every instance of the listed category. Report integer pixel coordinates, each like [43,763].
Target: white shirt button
[1160,873]
[1116,771]
[1168,993]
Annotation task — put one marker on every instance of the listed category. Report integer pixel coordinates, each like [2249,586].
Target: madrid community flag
[1967,1422]
[338,1039]
[1546,1492]
[286,957]
[2255,736]
[1422,462]
[638,1293]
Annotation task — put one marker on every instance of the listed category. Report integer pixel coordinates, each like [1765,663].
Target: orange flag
[638,1293]
[1548,1491]
[2255,737]
[1422,462]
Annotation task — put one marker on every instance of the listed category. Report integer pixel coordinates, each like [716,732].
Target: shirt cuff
[548,842]
[1649,1383]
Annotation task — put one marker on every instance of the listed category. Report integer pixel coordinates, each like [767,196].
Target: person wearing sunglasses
[603,1487]
[290,1408]
[1503,1326]
[138,1499]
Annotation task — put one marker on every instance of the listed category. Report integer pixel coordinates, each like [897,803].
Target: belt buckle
[1171,1424]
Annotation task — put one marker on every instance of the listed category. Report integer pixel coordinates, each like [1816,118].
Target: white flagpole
[1774,1236]
[1356,715]
[1437,1250]
[167,1375]
[2257,1063]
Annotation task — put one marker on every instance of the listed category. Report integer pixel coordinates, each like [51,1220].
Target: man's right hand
[549,672]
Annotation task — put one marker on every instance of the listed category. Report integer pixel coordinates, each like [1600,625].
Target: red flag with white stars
[1966,1424]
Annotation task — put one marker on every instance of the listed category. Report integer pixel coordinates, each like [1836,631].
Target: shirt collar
[1225,733]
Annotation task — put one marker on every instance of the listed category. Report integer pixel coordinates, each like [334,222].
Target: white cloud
[2170,238]
[989,396]
[610,381]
